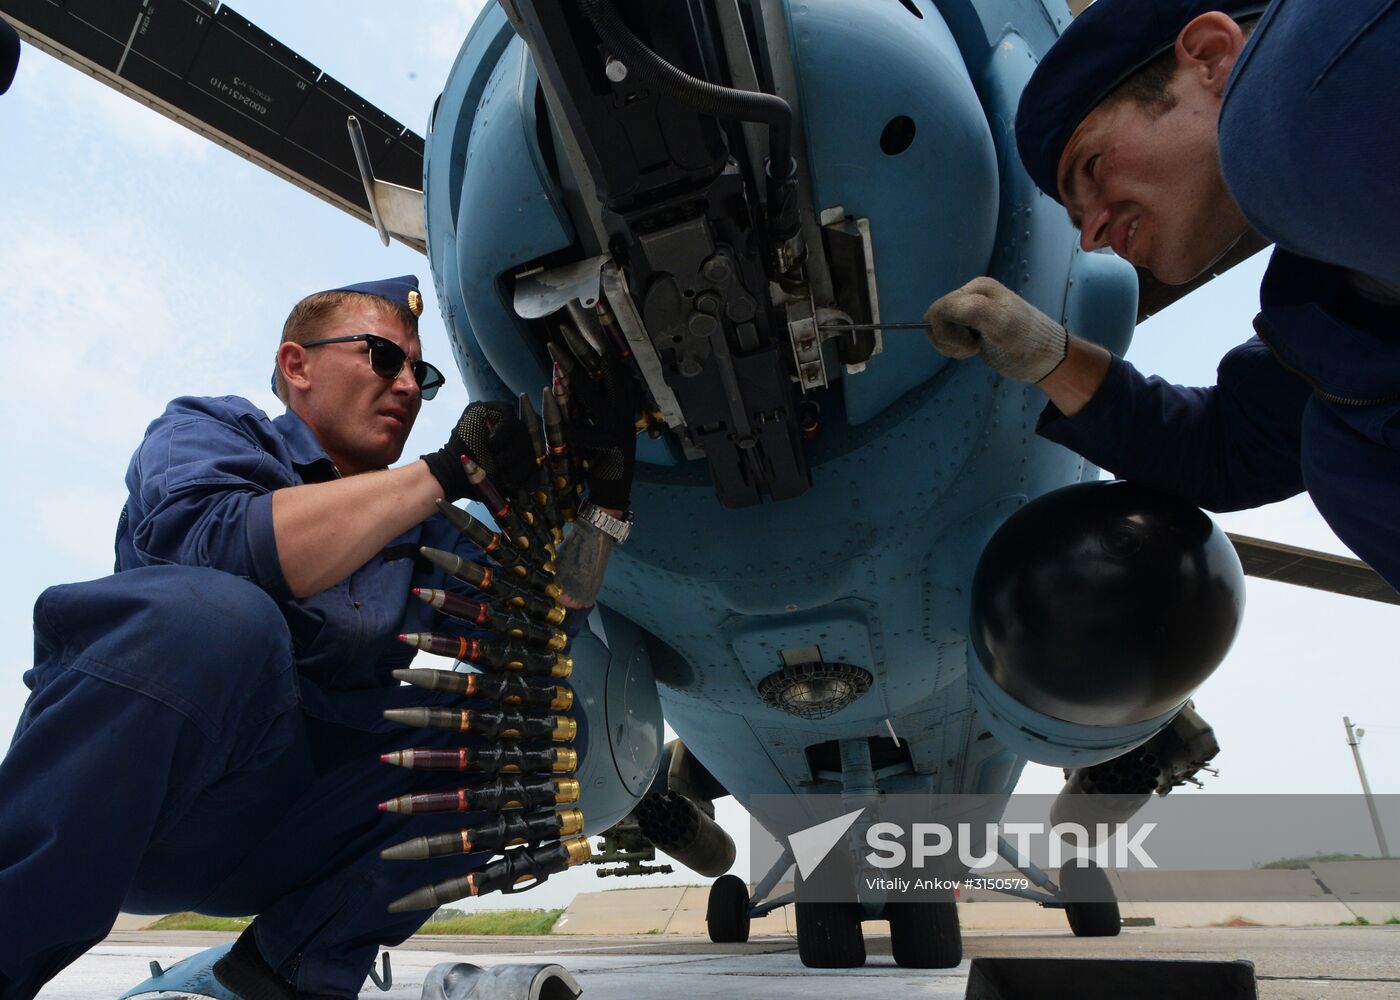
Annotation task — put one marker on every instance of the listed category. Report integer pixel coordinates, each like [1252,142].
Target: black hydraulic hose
[709,98]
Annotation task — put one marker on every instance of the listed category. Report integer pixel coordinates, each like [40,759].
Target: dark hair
[1149,86]
[313,314]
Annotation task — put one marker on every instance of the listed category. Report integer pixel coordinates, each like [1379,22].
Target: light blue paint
[933,207]
[926,460]
[1048,740]
[193,976]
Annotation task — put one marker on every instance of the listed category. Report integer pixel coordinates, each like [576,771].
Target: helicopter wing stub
[218,74]
[1309,568]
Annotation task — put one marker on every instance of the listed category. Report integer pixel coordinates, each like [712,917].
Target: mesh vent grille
[814,690]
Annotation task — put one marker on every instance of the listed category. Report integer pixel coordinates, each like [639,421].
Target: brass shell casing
[565,760]
[570,822]
[522,571]
[563,666]
[565,729]
[578,849]
[563,700]
[566,790]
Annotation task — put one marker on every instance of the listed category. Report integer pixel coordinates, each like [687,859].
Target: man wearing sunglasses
[205,726]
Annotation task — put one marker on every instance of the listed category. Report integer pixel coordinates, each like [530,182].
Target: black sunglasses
[387,359]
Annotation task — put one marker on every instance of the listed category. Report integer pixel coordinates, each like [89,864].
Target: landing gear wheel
[925,935]
[727,915]
[829,935]
[1100,918]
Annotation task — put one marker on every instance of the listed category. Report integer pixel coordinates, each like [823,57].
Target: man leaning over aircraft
[1167,128]
[204,726]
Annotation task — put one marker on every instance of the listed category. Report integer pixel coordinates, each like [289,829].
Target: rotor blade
[1154,296]
[1310,568]
[215,72]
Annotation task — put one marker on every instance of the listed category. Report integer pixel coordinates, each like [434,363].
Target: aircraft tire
[829,935]
[1090,919]
[727,914]
[925,935]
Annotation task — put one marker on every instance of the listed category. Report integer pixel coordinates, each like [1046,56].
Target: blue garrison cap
[9,54]
[402,291]
[1100,49]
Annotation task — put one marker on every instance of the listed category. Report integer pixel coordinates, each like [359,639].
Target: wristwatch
[615,528]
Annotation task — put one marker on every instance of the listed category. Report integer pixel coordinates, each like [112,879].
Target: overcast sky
[139,262]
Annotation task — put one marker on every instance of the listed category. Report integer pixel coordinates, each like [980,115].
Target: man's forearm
[1071,385]
[326,531]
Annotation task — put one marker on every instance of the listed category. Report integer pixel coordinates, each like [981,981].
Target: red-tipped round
[383,807]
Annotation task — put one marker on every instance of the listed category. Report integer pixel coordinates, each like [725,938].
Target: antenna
[1353,741]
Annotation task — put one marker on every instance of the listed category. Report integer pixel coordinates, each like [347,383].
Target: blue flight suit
[198,739]
[1310,148]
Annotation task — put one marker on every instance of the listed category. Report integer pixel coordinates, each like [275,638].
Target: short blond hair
[310,317]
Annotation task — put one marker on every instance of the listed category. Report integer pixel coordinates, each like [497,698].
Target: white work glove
[987,318]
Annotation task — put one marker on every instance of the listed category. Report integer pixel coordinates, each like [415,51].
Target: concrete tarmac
[1294,963]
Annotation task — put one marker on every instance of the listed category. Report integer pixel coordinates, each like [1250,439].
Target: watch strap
[616,528]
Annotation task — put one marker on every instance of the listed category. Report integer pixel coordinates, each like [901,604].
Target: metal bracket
[872,290]
[393,208]
[1049,898]
[773,877]
[386,981]
[776,903]
[540,293]
[836,221]
[625,310]
[806,339]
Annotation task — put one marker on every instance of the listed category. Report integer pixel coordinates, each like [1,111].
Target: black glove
[492,436]
[606,433]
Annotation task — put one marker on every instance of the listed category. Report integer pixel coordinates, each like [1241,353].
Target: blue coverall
[1310,148]
[198,739]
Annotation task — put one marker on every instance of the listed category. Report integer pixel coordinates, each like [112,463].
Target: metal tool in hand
[856,327]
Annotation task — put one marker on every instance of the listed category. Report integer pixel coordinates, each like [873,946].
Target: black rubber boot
[244,971]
